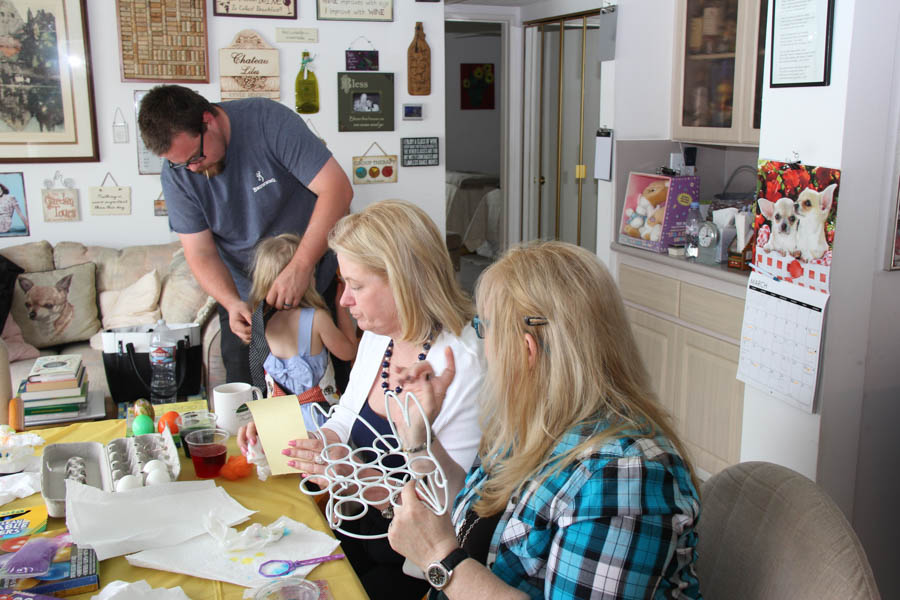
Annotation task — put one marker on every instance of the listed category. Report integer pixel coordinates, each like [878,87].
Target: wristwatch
[438,574]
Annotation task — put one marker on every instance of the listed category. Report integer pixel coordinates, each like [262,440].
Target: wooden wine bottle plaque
[418,58]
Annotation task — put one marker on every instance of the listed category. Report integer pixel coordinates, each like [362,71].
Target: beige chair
[769,533]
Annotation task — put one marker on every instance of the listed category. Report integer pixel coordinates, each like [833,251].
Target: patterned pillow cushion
[56,307]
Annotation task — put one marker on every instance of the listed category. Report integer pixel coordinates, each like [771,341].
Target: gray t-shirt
[270,160]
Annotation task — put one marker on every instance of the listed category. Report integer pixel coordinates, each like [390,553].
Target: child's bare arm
[341,341]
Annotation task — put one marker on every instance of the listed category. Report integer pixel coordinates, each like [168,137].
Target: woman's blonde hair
[269,259]
[586,370]
[398,241]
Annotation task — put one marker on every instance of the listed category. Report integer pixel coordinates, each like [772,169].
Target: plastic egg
[129,482]
[142,424]
[158,476]
[153,465]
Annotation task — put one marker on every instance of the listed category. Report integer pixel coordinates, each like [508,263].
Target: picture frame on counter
[48,116]
[801,43]
[266,9]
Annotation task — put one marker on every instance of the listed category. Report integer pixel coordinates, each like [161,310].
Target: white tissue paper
[724,217]
[256,456]
[19,485]
[743,222]
[253,537]
[116,523]
[202,556]
[17,451]
[139,590]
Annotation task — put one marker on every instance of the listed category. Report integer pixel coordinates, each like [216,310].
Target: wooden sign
[249,68]
[365,101]
[355,10]
[110,200]
[298,35]
[163,40]
[375,168]
[419,152]
[418,64]
[60,204]
[273,9]
[362,60]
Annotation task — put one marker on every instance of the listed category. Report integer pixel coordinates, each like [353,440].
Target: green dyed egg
[142,424]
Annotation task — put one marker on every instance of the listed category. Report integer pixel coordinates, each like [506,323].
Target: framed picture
[362,60]
[476,86]
[413,112]
[355,10]
[173,49]
[13,208]
[47,114]
[801,42]
[419,152]
[365,101]
[280,9]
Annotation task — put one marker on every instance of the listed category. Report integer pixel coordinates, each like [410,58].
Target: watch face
[437,575]
[707,235]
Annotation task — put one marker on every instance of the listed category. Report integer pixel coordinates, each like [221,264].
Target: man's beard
[215,169]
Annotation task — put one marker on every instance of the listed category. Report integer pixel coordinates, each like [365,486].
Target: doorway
[562,58]
[475,143]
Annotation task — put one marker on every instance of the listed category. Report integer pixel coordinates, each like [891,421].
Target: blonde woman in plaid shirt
[583,489]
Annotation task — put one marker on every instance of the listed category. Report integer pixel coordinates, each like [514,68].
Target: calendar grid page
[781,338]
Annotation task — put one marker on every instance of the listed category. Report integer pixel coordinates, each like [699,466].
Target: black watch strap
[454,558]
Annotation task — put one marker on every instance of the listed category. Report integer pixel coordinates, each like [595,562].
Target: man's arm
[334,195]
[214,277]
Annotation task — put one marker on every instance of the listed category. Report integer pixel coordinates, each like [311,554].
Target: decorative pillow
[182,297]
[135,305]
[56,307]
[18,348]
[34,256]
[8,273]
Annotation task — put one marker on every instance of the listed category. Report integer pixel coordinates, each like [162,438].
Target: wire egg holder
[360,478]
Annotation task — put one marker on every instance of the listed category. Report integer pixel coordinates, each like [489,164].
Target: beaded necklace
[386,363]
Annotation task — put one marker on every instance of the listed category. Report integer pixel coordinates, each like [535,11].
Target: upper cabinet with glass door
[719,52]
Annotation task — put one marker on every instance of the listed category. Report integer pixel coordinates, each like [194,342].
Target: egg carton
[122,463]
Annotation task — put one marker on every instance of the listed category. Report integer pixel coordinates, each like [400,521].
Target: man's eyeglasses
[479,326]
[199,157]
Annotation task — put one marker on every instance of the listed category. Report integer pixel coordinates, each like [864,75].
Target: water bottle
[163,387]
[692,231]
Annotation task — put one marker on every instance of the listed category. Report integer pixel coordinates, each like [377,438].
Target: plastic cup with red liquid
[208,451]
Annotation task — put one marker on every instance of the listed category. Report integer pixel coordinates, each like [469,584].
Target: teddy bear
[651,201]
[652,229]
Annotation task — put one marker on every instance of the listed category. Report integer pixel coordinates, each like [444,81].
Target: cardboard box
[655,210]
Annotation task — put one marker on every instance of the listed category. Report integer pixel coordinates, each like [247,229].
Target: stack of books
[55,390]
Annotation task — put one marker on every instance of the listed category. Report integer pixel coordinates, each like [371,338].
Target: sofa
[101,288]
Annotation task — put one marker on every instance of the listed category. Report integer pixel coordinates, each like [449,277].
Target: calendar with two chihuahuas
[798,226]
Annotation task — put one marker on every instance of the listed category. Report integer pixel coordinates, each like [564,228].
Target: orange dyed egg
[168,420]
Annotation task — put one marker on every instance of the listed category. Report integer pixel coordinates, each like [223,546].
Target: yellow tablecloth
[272,498]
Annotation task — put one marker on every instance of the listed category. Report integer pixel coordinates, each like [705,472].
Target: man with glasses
[234,173]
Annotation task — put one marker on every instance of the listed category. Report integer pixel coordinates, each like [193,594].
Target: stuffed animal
[653,196]
[652,229]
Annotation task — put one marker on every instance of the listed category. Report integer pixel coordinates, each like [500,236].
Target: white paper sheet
[781,338]
[139,590]
[203,557]
[116,523]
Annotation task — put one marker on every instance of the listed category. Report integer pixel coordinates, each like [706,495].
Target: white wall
[423,185]
[473,136]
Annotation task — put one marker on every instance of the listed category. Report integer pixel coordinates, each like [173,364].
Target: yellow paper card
[278,421]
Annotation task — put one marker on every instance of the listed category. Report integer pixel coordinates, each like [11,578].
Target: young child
[299,337]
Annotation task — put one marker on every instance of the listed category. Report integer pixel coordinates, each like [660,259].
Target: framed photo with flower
[476,86]
[47,96]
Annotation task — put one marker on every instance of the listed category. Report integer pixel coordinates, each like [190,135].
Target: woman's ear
[531,348]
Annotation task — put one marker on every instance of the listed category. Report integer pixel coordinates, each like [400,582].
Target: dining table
[277,496]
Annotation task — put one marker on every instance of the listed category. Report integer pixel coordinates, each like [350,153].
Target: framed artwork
[163,40]
[365,101]
[13,208]
[413,112]
[419,152]
[279,9]
[801,42]
[476,86]
[47,97]
[355,10]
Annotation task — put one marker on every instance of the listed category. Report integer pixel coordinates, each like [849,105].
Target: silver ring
[285,306]
[319,460]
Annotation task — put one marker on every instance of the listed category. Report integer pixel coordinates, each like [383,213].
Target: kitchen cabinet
[719,55]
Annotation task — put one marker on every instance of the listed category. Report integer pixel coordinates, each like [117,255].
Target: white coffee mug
[227,398]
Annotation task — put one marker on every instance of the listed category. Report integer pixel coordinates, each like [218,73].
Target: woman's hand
[429,390]
[306,454]
[246,436]
[417,533]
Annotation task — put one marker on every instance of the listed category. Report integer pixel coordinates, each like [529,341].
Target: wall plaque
[355,10]
[249,68]
[370,168]
[298,35]
[419,152]
[163,40]
[365,101]
[273,9]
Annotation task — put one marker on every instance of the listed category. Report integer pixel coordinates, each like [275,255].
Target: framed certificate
[801,42]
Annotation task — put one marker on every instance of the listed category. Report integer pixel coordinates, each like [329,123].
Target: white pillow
[137,304]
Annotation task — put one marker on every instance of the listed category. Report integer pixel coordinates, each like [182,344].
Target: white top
[457,424]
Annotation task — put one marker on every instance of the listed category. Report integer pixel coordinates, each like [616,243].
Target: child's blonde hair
[271,256]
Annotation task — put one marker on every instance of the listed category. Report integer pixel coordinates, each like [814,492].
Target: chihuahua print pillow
[56,307]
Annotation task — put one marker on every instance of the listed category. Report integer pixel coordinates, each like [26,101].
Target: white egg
[154,465]
[158,476]
[129,482]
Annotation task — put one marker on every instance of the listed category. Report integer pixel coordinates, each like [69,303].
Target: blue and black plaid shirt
[617,523]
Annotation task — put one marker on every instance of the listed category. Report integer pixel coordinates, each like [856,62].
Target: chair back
[767,532]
